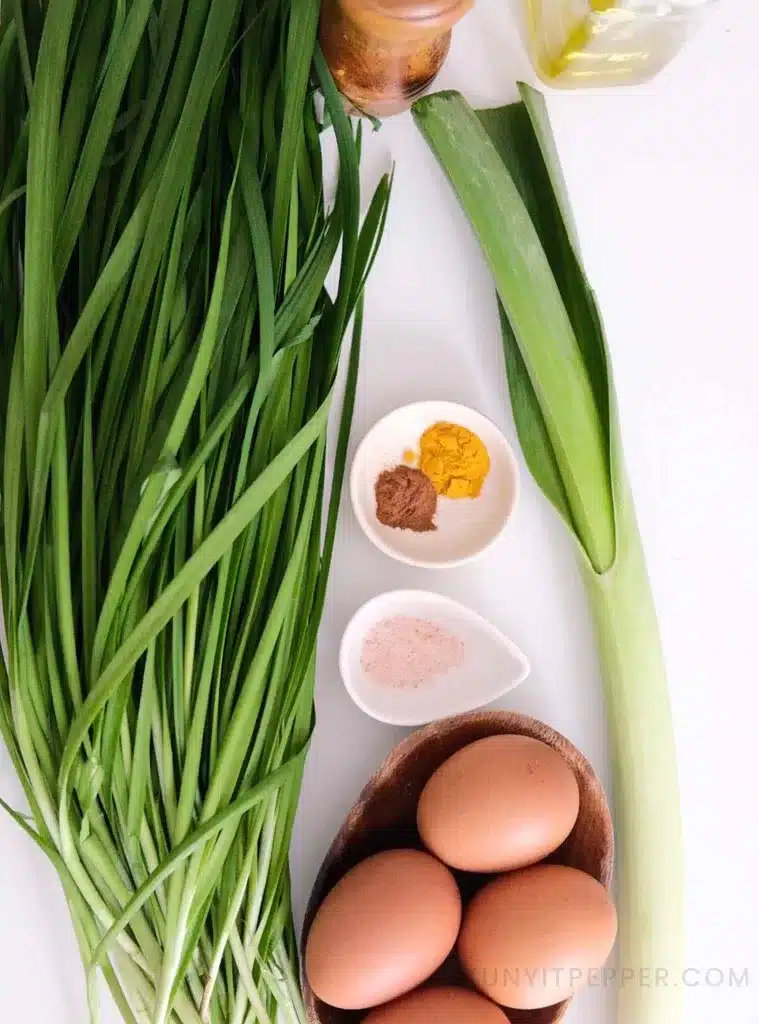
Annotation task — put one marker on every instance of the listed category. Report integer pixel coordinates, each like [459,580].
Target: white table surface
[665,188]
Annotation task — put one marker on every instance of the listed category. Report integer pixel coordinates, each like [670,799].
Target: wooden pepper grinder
[384,54]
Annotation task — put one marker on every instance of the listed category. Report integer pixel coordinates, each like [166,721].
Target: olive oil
[578,43]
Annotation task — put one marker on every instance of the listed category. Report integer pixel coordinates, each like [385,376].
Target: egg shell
[499,804]
[387,925]
[532,938]
[442,1005]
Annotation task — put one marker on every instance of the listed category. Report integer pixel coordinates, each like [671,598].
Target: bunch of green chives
[167,358]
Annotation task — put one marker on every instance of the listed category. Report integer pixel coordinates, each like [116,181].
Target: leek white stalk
[646,798]
[503,166]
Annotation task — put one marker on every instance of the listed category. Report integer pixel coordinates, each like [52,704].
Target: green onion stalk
[504,168]
[168,355]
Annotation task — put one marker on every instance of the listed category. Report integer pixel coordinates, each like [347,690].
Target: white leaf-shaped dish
[491,665]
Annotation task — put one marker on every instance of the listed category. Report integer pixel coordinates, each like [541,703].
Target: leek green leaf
[520,265]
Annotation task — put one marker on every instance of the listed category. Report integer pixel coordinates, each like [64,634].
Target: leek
[505,171]
[168,355]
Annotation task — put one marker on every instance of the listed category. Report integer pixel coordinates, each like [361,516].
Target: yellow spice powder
[455,460]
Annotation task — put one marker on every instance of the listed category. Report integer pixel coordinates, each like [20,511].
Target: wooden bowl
[384,818]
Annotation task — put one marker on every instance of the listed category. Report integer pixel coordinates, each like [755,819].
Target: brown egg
[388,924]
[532,938]
[498,804]
[444,1005]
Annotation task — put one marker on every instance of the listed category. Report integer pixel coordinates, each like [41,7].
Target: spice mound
[405,651]
[455,460]
[406,499]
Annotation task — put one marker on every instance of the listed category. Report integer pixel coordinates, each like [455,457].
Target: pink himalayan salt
[406,651]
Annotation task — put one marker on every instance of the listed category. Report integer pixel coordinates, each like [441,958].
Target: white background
[665,188]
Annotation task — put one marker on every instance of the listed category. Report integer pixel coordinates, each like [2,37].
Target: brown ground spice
[406,499]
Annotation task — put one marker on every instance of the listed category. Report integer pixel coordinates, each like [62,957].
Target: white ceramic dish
[466,527]
[492,665]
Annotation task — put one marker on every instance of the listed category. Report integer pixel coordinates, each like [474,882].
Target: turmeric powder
[455,460]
